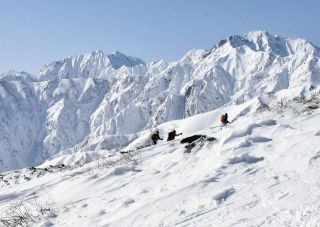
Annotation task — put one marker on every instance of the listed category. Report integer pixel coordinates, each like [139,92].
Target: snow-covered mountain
[262,170]
[96,102]
[15,75]
[91,65]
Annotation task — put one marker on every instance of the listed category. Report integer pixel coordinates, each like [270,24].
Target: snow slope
[261,171]
[78,103]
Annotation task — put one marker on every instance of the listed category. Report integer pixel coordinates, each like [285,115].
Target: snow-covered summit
[118,60]
[94,64]
[16,75]
[272,44]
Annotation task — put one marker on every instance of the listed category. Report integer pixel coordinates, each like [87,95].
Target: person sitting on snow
[172,135]
[155,137]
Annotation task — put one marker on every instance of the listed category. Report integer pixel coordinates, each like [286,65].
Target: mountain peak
[93,64]
[258,34]
[12,75]
[115,59]
[98,51]
[94,53]
[118,59]
[263,41]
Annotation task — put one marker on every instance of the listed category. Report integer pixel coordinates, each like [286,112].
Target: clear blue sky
[36,32]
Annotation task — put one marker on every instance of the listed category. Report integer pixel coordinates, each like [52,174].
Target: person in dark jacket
[172,135]
[155,137]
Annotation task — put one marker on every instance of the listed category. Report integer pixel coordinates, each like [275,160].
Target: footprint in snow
[210,180]
[52,215]
[243,144]
[259,139]
[48,224]
[128,202]
[125,169]
[286,126]
[102,212]
[315,159]
[144,191]
[247,142]
[224,195]
[251,171]
[245,159]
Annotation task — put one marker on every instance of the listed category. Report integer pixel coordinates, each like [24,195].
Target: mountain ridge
[79,99]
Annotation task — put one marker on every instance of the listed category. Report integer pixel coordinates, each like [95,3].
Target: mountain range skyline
[116,53]
[35,33]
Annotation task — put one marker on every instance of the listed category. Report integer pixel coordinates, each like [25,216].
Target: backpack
[222,118]
[171,136]
[154,136]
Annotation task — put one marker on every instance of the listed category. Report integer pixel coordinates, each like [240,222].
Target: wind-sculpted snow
[77,100]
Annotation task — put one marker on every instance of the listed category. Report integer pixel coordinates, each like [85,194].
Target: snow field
[262,171]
